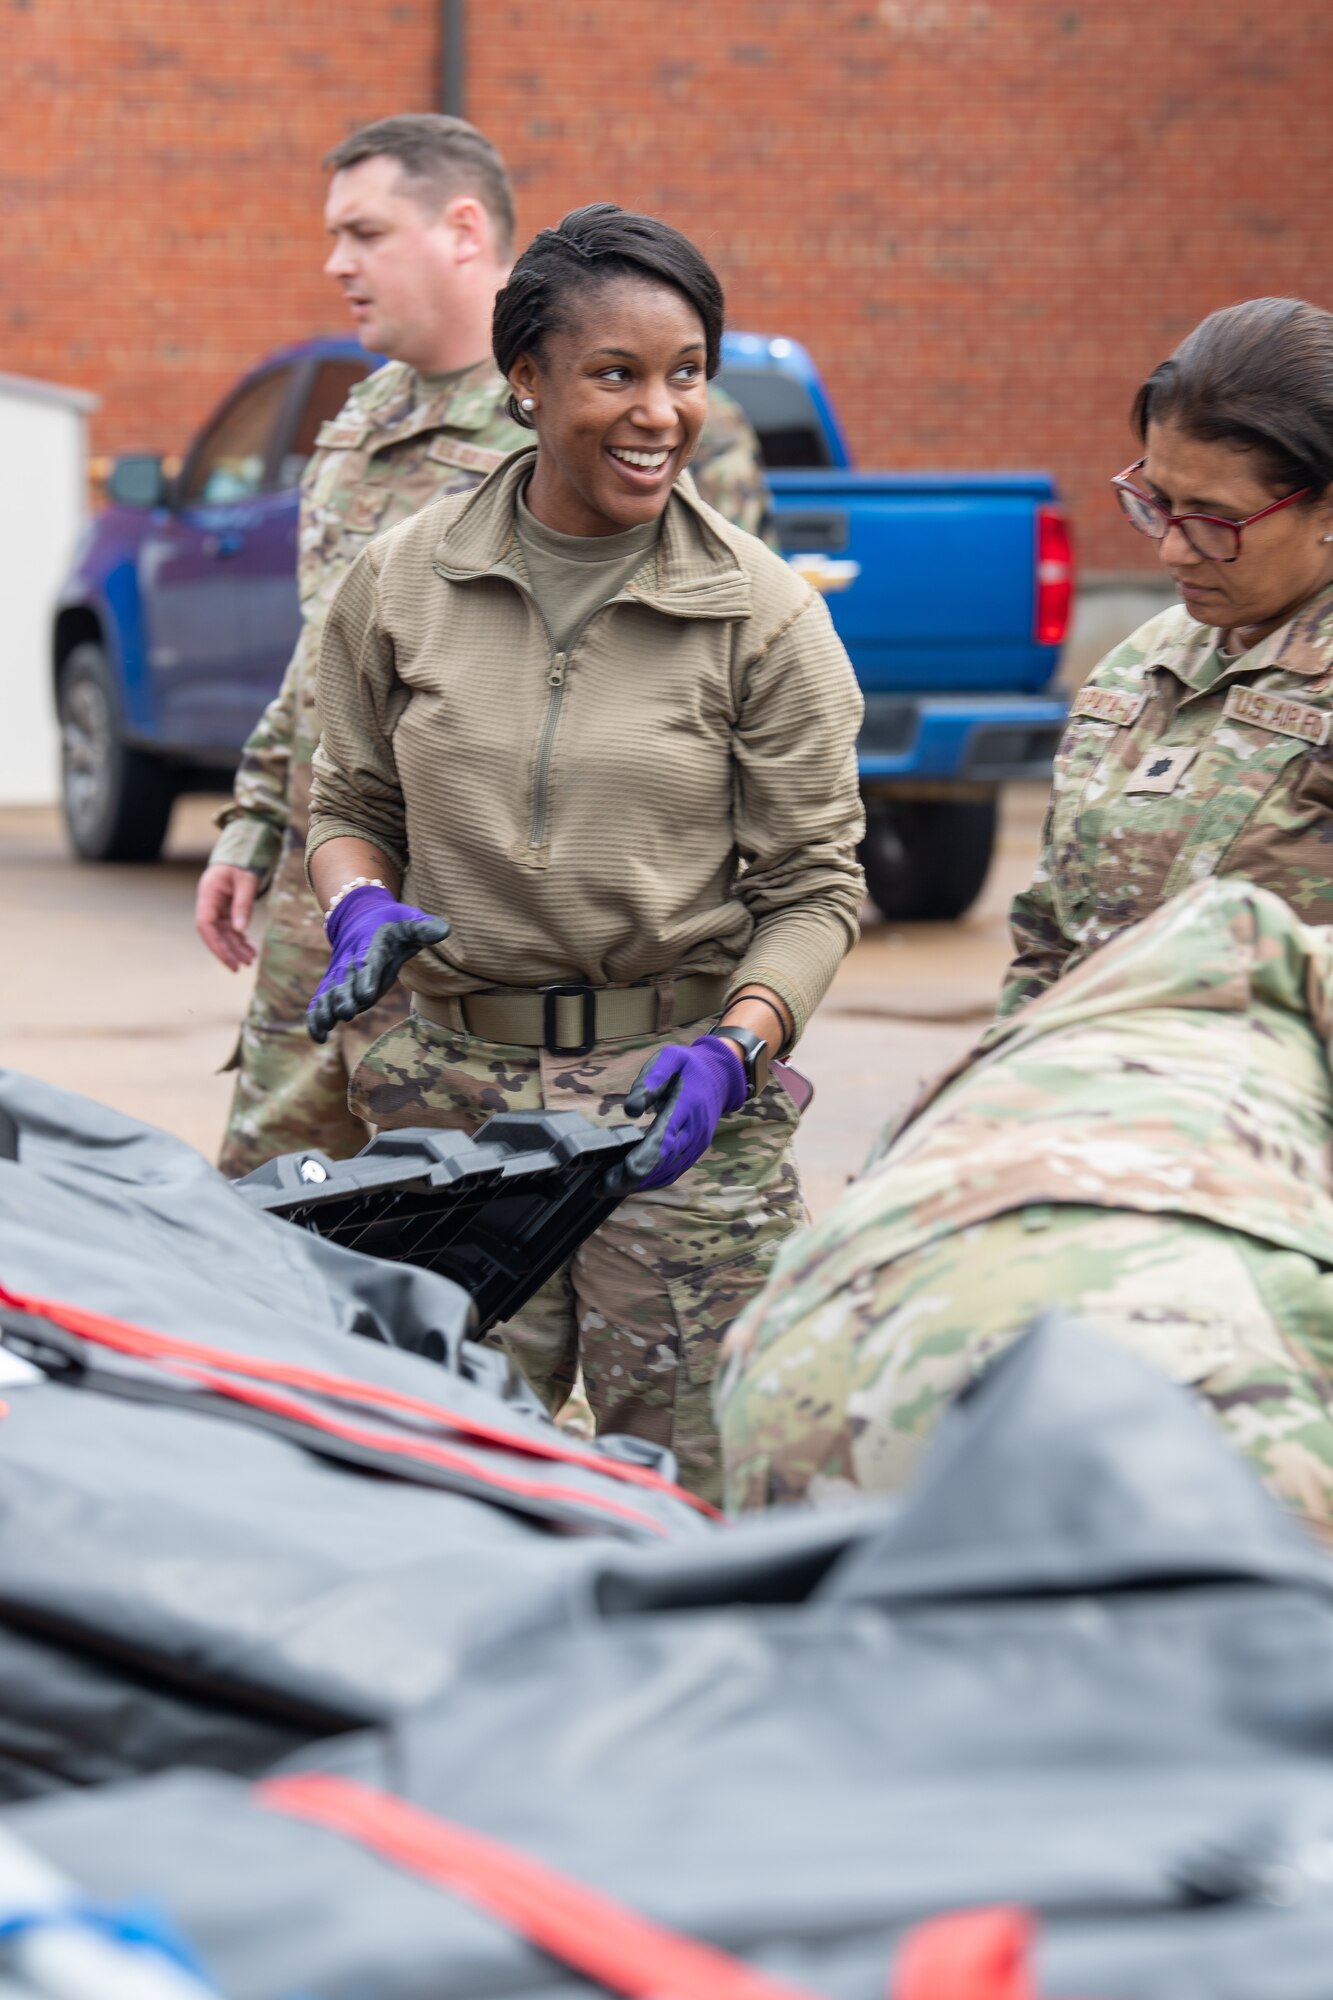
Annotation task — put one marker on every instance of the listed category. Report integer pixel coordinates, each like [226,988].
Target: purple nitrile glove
[691,1088]
[371,937]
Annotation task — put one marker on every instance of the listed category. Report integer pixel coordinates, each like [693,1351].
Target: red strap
[968,1955]
[125,1338]
[609,1944]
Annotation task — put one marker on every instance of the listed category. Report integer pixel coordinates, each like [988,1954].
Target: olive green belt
[570,1020]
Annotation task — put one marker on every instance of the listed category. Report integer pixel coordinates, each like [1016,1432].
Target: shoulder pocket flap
[1275,712]
[467,457]
[338,435]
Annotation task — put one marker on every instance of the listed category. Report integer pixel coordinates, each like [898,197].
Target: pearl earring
[529,403]
[1328,538]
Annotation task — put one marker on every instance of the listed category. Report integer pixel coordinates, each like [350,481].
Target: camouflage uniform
[395,446]
[733,736]
[1150,1145]
[647,1298]
[1178,764]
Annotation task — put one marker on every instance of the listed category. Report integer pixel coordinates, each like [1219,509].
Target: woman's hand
[371,937]
[691,1088]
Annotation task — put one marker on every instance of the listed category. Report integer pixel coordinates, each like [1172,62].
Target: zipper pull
[556,677]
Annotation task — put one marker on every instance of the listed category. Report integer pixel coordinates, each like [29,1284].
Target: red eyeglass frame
[1121,484]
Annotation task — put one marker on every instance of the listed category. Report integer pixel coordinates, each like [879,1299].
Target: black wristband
[776,1012]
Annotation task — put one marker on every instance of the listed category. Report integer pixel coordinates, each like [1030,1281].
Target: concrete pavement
[107,990]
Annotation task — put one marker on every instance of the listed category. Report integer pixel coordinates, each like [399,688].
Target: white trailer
[43,504]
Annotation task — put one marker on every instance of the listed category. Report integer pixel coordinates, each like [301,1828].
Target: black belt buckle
[551,996]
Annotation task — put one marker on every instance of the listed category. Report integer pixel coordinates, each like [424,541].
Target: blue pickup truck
[951,593]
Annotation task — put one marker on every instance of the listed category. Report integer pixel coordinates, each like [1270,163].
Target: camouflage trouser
[847,1396]
[644,1303]
[291,1092]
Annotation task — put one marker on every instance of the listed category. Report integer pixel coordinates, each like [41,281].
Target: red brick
[987,218]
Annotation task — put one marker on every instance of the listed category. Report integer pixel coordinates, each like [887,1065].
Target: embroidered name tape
[1110,705]
[1275,712]
[468,457]
[338,436]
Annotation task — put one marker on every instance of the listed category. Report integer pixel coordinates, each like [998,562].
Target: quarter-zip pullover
[689,803]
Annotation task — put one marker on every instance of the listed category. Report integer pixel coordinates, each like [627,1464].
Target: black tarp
[233,1516]
[1086,1667]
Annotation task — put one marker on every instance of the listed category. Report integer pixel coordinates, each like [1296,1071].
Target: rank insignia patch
[1162,769]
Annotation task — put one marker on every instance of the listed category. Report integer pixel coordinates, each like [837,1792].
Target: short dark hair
[443,158]
[588,248]
[1259,376]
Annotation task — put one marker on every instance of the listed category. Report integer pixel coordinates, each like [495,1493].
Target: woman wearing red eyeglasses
[1201,746]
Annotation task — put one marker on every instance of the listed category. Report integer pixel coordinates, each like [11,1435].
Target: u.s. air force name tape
[1275,712]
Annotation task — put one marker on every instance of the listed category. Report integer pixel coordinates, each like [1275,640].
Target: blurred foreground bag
[227,1527]
[1084,1668]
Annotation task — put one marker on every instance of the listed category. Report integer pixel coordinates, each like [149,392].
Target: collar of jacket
[393,406]
[693,571]
[1304,646]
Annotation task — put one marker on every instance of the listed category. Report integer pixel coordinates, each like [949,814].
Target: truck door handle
[825,528]
[229,542]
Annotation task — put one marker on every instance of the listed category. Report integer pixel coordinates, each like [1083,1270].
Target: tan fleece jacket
[675,792]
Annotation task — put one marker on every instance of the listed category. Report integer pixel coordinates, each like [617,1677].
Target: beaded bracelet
[357,882]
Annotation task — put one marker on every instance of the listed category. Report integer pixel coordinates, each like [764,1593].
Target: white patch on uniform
[1161,768]
[894,1333]
[1202,864]
[1250,1427]
[829,1322]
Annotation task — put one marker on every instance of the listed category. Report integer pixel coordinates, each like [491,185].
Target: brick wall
[160,186]
[987,218]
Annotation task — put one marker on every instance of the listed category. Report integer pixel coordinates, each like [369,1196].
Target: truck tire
[927,859]
[117,801]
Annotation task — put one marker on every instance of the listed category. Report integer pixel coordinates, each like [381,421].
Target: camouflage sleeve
[256,819]
[728,468]
[1041,948]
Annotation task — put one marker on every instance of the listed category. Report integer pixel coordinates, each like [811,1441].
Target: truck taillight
[1055,575]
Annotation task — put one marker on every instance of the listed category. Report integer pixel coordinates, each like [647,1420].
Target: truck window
[333,383]
[791,436]
[229,461]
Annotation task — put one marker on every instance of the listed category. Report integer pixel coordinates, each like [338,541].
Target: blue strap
[140,1926]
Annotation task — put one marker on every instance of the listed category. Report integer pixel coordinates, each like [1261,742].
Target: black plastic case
[497,1213]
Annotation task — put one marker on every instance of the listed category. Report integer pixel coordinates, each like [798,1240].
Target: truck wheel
[116,801]
[927,858]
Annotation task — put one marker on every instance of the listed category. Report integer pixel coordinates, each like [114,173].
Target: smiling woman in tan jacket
[611,739]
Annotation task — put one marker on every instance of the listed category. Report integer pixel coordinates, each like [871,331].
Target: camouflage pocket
[418,1074]
[706,1302]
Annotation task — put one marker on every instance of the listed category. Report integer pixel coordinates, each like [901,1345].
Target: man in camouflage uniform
[1149,1145]
[413,431]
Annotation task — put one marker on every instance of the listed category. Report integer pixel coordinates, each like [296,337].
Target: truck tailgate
[930,577]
